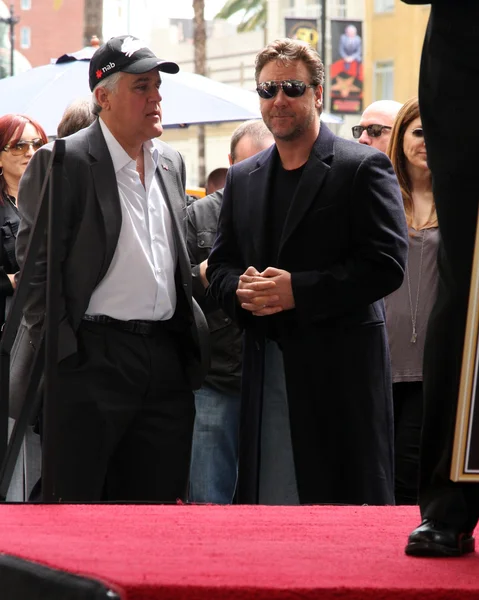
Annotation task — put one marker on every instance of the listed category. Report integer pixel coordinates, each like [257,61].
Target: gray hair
[256,130]
[110,84]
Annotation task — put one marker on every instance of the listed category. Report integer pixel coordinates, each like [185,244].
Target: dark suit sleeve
[28,204]
[375,263]
[224,262]
[199,289]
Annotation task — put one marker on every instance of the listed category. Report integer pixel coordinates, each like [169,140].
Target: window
[383,6]
[25,37]
[26,4]
[384,80]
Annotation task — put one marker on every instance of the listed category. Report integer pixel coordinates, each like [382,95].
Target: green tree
[254,13]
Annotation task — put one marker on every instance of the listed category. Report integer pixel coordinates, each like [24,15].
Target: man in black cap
[129,349]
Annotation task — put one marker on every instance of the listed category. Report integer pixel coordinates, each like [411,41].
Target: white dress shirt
[140,282]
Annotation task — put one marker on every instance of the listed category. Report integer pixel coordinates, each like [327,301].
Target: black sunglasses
[22,146]
[373,130]
[291,87]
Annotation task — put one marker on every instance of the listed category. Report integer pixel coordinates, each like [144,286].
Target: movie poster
[465,458]
[346,71]
[303,29]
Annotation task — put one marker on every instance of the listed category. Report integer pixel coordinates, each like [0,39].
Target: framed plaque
[465,458]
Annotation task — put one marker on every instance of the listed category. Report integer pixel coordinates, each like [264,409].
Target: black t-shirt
[283,188]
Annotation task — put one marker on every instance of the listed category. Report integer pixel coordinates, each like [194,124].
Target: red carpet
[237,552]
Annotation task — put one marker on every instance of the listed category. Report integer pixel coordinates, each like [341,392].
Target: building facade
[394,34]
[48,28]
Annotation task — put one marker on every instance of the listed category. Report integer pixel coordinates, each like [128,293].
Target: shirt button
[202,243]
[151,208]
[158,270]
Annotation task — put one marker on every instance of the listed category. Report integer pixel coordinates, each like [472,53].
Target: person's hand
[11,276]
[283,288]
[203,267]
[257,294]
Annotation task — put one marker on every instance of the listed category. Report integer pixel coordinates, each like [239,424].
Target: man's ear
[319,96]
[102,96]
[229,159]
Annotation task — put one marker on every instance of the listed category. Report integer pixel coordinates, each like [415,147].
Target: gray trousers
[277,480]
[28,468]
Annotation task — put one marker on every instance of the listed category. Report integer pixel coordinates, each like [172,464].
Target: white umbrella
[44,92]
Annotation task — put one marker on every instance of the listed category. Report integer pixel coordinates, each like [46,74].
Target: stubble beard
[295,133]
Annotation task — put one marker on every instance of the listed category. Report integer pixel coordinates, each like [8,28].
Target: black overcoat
[345,243]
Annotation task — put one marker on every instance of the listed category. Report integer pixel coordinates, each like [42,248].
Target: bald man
[375,126]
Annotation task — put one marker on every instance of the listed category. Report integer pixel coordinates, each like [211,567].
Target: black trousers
[126,414]
[408,410]
[452,159]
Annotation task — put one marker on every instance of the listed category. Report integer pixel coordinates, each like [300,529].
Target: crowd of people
[313,258]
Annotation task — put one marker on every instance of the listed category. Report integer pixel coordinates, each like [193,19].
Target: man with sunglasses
[311,237]
[376,122]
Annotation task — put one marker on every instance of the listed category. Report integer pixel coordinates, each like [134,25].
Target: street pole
[12,20]
[323,44]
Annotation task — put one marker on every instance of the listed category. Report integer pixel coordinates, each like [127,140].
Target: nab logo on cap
[105,69]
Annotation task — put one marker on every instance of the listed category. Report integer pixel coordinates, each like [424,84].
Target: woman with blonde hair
[408,308]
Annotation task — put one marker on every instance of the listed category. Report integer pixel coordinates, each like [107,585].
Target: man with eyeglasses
[311,237]
[375,126]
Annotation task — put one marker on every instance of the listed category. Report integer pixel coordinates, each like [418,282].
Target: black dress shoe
[433,538]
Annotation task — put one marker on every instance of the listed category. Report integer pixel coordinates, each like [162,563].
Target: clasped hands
[265,293]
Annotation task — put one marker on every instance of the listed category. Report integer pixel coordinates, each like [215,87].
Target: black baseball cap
[127,54]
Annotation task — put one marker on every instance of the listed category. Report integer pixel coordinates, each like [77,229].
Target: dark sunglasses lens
[419,133]
[267,90]
[294,89]
[375,130]
[357,131]
[37,144]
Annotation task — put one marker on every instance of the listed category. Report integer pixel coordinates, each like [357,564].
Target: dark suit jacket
[345,243]
[226,339]
[91,222]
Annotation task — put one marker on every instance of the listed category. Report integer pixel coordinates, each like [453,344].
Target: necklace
[414,312]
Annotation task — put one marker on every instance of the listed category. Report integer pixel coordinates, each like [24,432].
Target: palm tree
[254,13]
[93,20]
[199,40]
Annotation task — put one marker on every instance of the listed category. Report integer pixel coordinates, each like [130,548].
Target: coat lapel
[106,188]
[312,179]
[259,186]
[166,173]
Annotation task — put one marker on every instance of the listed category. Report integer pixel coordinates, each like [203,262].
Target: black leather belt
[134,326]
